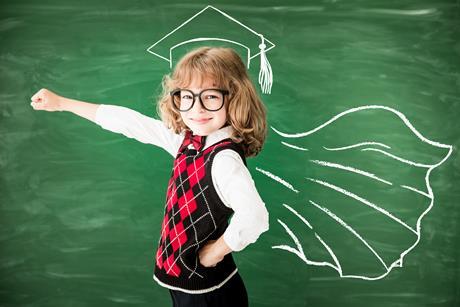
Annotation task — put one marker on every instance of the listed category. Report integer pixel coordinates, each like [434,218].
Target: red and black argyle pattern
[194,214]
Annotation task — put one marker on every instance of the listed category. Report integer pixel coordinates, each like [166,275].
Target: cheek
[222,116]
[184,117]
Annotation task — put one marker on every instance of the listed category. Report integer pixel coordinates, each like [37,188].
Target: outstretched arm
[114,118]
[46,100]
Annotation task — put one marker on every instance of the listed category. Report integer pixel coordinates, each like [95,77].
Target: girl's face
[198,119]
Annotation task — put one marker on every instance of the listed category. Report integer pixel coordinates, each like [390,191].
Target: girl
[212,119]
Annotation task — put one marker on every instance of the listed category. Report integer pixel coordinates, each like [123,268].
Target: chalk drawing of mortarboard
[207,25]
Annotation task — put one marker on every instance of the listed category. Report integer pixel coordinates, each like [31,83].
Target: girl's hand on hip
[209,255]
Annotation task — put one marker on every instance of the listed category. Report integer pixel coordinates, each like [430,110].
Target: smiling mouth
[203,120]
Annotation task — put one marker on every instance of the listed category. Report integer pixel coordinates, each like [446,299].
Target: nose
[197,107]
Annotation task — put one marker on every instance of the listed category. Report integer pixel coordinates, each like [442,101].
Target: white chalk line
[303,219]
[362,200]
[416,190]
[400,12]
[412,163]
[367,107]
[337,266]
[364,173]
[293,146]
[351,169]
[350,229]
[299,251]
[357,145]
[278,179]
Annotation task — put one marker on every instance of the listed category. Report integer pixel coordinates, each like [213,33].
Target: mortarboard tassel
[265,73]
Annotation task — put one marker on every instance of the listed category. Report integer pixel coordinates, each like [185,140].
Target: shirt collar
[218,135]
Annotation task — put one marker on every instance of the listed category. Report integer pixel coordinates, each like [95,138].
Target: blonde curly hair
[245,111]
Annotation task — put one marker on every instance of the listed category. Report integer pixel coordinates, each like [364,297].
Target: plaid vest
[194,214]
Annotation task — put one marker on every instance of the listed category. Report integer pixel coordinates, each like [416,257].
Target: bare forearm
[80,108]
[221,248]
[47,100]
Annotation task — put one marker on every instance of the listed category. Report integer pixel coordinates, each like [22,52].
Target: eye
[185,96]
[211,97]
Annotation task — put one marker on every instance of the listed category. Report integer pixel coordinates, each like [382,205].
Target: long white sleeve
[237,190]
[138,126]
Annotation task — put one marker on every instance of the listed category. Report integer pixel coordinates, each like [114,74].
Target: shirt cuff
[238,239]
[232,241]
[102,117]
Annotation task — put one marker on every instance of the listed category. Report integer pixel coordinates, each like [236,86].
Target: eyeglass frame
[222,91]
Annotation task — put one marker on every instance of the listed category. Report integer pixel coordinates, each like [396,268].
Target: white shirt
[231,178]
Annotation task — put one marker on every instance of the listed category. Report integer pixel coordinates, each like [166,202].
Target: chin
[197,130]
[202,132]
[203,129]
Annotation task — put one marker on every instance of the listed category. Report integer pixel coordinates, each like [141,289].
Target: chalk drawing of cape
[359,192]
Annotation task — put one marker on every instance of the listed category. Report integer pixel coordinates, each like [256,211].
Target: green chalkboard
[359,171]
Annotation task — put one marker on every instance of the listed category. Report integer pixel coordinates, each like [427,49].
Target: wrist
[63,104]
[221,248]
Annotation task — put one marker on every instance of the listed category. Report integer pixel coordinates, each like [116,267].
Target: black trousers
[232,293]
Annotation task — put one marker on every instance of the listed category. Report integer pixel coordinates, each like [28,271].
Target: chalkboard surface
[359,171]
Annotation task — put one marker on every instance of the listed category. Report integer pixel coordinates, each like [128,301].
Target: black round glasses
[211,99]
